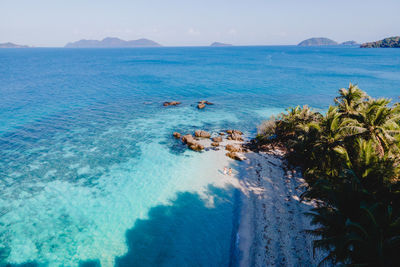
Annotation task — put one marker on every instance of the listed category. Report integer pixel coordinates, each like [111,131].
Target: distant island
[320,41]
[217,44]
[11,45]
[112,42]
[350,43]
[391,42]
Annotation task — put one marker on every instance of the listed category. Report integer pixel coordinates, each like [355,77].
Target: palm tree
[378,122]
[349,100]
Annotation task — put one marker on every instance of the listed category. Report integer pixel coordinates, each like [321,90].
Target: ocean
[90,174]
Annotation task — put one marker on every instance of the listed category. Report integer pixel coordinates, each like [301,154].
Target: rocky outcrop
[236,156]
[202,134]
[172,103]
[233,148]
[201,106]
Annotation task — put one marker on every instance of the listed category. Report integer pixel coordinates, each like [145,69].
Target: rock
[234,132]
[205,102]
[196,147]
[217,139]
[221,133]
[201,106]
[201,133]
[177,135]
[215,144]
[236,137]
[188,139]
[233,148]
[172,103]
[235,156]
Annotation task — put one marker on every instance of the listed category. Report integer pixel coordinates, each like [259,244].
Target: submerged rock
[201,106]
[172,103]
[201,133]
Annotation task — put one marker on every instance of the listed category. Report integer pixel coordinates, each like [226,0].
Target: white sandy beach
[272,217]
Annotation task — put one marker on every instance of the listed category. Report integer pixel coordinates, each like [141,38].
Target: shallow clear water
[89,173]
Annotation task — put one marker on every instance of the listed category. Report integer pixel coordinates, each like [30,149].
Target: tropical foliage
[350,158]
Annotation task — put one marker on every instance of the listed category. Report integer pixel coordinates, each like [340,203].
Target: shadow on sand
[189,232]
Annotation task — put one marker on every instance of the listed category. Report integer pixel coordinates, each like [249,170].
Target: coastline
[272,217]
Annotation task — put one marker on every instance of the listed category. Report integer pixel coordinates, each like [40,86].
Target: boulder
[221,133]
[202,102]
[235,156]
[196,147]
[201,106]
[217,139]
[201,133]
[177,135]
[172,103]
[233,148]
[215,144]
[188,139]
[209,103]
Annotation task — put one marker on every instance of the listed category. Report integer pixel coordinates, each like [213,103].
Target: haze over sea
[89,172]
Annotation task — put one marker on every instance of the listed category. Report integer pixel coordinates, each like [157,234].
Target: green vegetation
[385,43]
[351,161]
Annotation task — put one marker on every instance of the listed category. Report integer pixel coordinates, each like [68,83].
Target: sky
[53,23]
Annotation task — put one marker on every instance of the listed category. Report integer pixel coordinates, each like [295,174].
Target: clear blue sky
[186,22]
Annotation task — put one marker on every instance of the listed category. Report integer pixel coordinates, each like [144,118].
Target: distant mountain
[111,42]
[350,43]
[320,41]
[385,43]
[217,44]
[11,45]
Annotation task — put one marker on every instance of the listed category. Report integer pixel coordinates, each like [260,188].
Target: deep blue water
[89,173]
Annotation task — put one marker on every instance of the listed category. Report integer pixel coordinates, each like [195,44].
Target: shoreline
[271,219]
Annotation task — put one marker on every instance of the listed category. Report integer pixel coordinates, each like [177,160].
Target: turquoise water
[89,173]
